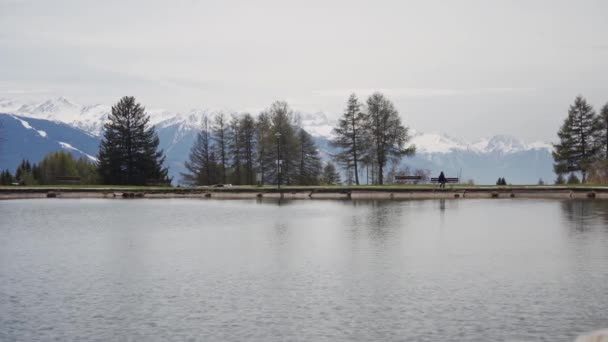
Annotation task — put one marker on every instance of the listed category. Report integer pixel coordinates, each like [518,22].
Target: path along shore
[292,192]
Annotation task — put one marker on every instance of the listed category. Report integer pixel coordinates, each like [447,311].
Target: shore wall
[345,193]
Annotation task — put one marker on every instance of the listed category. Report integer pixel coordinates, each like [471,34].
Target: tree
[573,179]
[330,175]
[23,169]
[309,161]
[265,140]
[6,178]
[577,147]
[247,137]
[235,149]
[349,133]
[200,166]
[560,179]
[541,181]
[283,132]
[220,136]
[602,132]
[598,173]
[128,153]
[387,136]
[63,164]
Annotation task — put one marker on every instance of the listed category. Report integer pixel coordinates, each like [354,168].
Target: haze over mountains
[483,160]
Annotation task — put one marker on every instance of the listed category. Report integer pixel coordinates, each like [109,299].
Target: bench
[404,179]
[453,180]
[68,180]
[157,182]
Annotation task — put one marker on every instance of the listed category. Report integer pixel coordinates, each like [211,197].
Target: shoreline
[344,193]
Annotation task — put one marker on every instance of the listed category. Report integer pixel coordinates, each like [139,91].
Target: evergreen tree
[310,162]
[602,132]
[573,179]
[499,181]
[129,153]
[24,169]
[220,137]
[387,136]
[560,179]
[6,178]
[200,166]
[577,147]
[330,175]
[349,135]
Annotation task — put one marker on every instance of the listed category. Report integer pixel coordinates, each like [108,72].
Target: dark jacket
[441,178]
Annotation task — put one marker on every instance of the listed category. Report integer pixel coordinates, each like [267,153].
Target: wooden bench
[453,180]
[404,179]
[157,182]
[68,180]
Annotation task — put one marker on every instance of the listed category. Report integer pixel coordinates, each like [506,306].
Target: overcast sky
[466,68]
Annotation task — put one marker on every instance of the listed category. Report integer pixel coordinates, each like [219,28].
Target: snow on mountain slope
[92,118]
[32,139]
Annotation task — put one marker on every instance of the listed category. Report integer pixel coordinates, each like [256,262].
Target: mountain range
[30,130]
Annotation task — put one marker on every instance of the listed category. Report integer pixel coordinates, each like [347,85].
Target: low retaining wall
[319,193]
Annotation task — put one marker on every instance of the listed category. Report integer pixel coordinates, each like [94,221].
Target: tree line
[583,144]
[240,149]
[273,148]
[243,150]
[51,170]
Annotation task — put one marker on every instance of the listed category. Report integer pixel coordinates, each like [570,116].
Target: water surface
[310,270]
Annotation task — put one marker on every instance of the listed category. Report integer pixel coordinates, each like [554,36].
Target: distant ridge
[483,160]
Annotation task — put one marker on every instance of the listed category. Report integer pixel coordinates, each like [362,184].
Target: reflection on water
[586,214]
[264,270]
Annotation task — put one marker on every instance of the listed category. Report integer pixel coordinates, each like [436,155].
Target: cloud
[421,92]
[24,91]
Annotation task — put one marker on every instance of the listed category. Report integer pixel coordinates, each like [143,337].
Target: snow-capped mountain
[483,160]
[443,143]
[32,139]
[89,118]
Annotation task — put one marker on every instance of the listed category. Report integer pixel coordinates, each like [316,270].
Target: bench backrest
[408,178]
[68,179]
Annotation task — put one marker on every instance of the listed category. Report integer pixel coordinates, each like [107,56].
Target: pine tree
[602,133]
[499,181]
[200,170]
[560,179]
[349,135]
[310,163]
[6,178]
[128,153]
[387,136]
[330,175]
[577,147]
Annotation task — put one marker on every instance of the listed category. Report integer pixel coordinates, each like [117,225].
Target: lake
[308,270]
